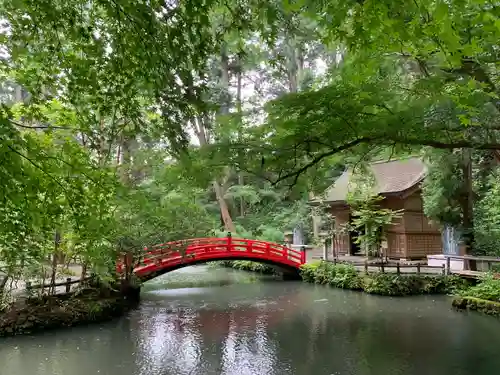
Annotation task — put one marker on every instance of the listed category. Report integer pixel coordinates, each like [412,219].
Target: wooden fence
[489,261]
[391,267]
[395,267]
[66,284]
[445,269]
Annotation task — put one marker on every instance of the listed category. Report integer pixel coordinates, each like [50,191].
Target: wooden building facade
[412,236]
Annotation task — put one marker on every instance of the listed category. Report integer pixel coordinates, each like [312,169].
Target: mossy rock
[477,304]
[54,312]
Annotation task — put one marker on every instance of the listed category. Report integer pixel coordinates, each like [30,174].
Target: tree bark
[467,203]
[295,66]
[3,282]
[55,256]
[239,111]
[200,131]
[200,126]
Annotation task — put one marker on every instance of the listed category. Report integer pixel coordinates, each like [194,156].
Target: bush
[247,265]
[390,285]
[338,275]
[345,276]
[488,289]
[308,270]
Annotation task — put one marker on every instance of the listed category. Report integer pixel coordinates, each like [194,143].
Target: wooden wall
[422,236]
[341,241]
[412,236]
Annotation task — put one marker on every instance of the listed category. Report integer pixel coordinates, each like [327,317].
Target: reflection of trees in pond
[211,340]
[430,340]
[166,343]
[55,352]
[368,341]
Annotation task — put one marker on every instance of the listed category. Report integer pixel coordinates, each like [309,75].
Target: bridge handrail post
[229,241]
[302,254]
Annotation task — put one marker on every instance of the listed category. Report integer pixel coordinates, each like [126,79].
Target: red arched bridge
[163,258]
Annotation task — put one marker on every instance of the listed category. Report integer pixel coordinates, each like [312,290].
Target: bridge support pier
[290,276]
[130,291]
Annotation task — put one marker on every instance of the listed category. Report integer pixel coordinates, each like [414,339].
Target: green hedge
[347,277]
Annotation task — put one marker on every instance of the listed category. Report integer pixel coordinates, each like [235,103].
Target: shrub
[308,270]
[347,277]
[338,275]
[247,265]
[324,273]
[389,285]
[487,289]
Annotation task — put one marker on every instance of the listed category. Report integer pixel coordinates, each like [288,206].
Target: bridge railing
[232,244]
[213,247]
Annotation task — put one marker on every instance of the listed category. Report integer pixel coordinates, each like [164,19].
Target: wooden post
[382,267]
[68,284]
[448,265]
[398,271]
[443,270]
[366,266]
[418,268]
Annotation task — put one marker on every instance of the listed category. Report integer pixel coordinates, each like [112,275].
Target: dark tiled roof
[391,177]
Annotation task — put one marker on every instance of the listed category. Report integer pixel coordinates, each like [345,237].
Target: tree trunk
[241,182]
[84,271]
[219,193]
[224,210]
[3,283]
[294,66]
[200,126]
[239,111]
[55,257]
[128,147]
[467,203]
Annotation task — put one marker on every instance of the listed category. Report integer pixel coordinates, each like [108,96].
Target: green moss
[477,304]
[347,277]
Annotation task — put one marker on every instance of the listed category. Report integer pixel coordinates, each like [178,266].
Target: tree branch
[320,157]
[39,126]
[381,141]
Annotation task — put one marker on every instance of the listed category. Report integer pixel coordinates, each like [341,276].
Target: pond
[221,321]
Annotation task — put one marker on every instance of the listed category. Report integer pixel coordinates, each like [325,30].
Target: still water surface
[235,325]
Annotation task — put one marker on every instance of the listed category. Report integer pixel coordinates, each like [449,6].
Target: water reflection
[210,338]
[267,328]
